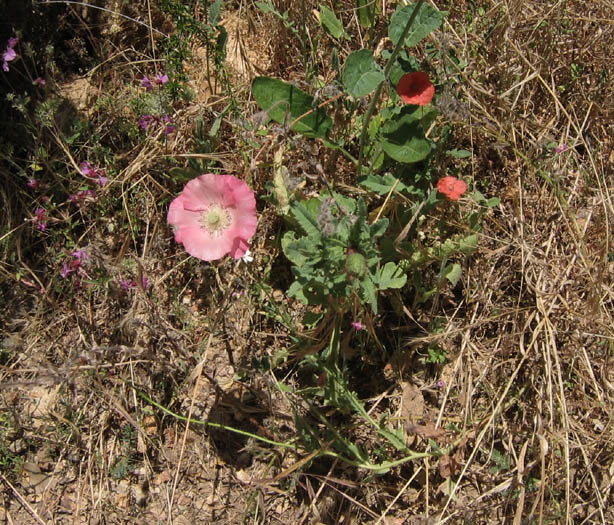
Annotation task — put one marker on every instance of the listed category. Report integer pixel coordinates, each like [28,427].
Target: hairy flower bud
[356,264]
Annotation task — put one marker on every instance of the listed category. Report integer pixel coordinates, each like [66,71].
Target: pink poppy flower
[451,187]
[213,216]
[416,88]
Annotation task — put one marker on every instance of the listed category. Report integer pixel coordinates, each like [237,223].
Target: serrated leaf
[428,20]
[361,74]
[306,220]
[331,22]
[453,273]
[391,276]
[288,105]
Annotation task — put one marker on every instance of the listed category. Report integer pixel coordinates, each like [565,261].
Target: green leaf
[368,292]
[381,184]
[391,276]
[214,12]
[183,174]
[403,136]
[366,12]
[306,220]
[453,273]
[331,22]
[286,103]
[493,202]
[428,20]
[459,153]
[361,74]
[469,243]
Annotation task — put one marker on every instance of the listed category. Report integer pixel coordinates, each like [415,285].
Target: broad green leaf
[366,12]
[493,202]
[453,273]
[287,105]
[428,20]
[368,291]
[391,276]
[331,22]
[403,137]
[361,74]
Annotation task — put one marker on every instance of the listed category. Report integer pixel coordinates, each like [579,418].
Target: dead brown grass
[527,403]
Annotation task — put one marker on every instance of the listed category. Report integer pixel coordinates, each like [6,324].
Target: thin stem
[378,90]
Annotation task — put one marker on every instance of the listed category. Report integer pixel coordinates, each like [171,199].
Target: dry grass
[527,403]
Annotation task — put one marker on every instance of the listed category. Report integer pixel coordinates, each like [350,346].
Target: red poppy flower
[416,88]
[451,187]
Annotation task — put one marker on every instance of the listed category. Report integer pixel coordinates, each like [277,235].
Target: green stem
[210,423]
[378,90]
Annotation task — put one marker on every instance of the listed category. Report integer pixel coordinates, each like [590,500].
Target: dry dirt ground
[524,400]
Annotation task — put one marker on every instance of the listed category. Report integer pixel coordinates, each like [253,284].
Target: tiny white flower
[248,257]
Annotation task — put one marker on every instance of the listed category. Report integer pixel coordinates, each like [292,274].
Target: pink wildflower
[39,81]
[161,79]
[561,148]
[9,53]
[215,215]
[357,325]
[32,183]
[146,83]
[451,187]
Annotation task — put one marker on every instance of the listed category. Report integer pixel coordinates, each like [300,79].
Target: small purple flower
[127,284]
[32,183]
[561,148]
[39,81]
[9,53]
[102,180]
[145,121]
[440,383]
[146,83]
[161,78]
[86,168]
[144,282]
[65,271]
[42,226]
[80,255]
[357,325]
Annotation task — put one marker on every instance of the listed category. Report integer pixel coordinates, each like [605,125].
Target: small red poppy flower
[452,187]
[416,88]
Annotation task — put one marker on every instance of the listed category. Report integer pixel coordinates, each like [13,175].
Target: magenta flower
[146,83]
[86,168]
[39,81]
[561,148]
[32,183]
[161,78]
[9,53]
[80,255]
[215,215]
[65,271]
[146,120]
[357,325]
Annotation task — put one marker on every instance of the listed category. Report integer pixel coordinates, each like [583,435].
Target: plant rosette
[215,215]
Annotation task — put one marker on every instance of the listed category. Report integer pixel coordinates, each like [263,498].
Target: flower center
[215,220]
